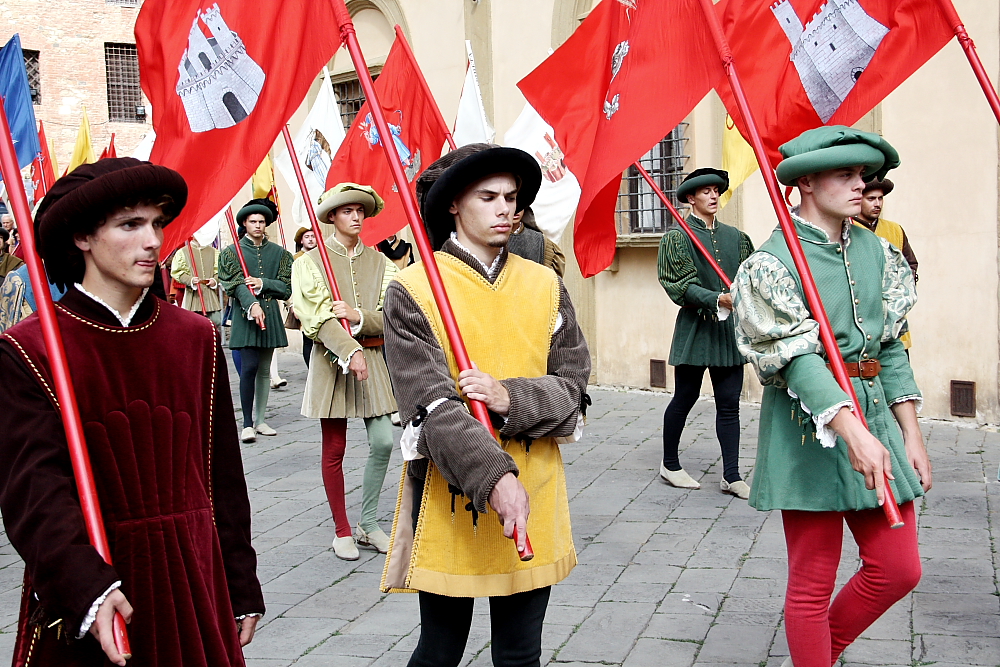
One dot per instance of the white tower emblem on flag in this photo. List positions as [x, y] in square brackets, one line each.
[219, 83]
[832, 50]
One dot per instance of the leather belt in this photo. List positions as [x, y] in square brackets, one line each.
[372, 341]
[865, 369]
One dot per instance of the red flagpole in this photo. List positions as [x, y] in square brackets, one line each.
[423, 84]
[813, 299]
[239, 250]
[59, 366]
[350, 39]
[970, 52]
[323, 255]
[194, 272]
[684, 225]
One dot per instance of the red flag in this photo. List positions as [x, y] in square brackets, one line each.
[110, 150]
[42, 173]
[628, 75]
[805, 63]
[222, 77]
[418, 132]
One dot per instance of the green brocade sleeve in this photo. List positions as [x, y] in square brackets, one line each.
[678, 274]
[899, 294]
[281, 286]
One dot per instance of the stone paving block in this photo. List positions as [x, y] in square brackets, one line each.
[650, 574]
[661, 653]
[356, 645]
[714, 580]
[609, 633]
[320, 660]
[740, 644]
[560, 614]
[575, 595]
[683, 603]
[608, 553]
[627, 531]
[630, 592]
[878, 652]
[285, 637]
[692, 626]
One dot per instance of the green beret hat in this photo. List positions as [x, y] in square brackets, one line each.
[700, 178]
[251, 208]
[349, 193]
[833, 147]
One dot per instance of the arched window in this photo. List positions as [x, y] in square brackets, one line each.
[234, 107]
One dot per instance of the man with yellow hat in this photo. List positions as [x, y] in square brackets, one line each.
[816, 462]
[348, 377]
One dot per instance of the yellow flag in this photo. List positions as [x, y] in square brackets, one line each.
[737, 158]
[52, 156]
[263, 179]
[83, 152]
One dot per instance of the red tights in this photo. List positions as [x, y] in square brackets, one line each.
[334, 446]
[817, 631]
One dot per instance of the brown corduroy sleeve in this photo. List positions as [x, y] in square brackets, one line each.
[463, 450]
[548, 405]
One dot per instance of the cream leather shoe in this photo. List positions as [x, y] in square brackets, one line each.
[678, 478]
[248, 434]
[345, 548]
[739, 488]
[377, 539]
[264, 429]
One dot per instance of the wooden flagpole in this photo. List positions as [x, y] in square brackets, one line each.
[194, 272]
[970, 52]
[350, 38]
[323, 255]
[809, 288]
[59, 366]
[683, 224]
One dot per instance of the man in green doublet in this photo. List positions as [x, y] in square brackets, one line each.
[258, 327]
[704, 338]
[815, 460]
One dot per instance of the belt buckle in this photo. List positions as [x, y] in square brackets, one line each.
[868, 369]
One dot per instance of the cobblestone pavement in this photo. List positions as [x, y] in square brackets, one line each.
[667, 578]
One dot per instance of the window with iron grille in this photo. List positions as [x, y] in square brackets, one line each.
[124, 95]
[350, 99]
[123, 3]
[639, 210]
[34, 75]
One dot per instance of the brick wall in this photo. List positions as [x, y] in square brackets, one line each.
[70, 36]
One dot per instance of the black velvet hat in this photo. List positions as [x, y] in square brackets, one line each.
[447, 177]
[264, 207]
[884, 184]
[78, 201]
[700, 178]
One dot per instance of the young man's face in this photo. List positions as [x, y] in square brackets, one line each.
[705, 201]
[871, 205]
[256, 226]
[125, 248]
[347, 219]
[484, 211]
[836, 192]
[308, 241]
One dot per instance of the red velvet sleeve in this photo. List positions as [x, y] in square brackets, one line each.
[41, 510]
[231, 502]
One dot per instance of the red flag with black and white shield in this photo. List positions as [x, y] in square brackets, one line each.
[417, 131]
[806, 63]
[223, 76]
[628, 75]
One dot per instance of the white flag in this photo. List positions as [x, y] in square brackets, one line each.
[560, 192]
[145, 146]
[316, 143]
[471, 125]
[210, 230]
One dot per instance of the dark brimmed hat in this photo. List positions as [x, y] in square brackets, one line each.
[883, 184]
[451, 174]
[833, 147]
[77, 202]
[700, 178]
[299, 234]
[264, 207]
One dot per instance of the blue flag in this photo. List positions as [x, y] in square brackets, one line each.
[17, 102]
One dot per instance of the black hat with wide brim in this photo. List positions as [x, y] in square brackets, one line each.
[701, 178]
[449, 176]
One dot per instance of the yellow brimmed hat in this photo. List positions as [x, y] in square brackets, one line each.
[349, 193]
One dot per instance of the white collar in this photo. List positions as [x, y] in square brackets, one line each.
[125, 319]
[490, 270]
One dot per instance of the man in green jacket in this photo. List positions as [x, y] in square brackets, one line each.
[703, 334]
[257, 324]
[816, 462]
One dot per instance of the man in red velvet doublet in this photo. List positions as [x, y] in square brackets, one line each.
[162, 439]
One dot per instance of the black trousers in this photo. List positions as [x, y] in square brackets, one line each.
[307, 349]
[515, 622]
[727, 383]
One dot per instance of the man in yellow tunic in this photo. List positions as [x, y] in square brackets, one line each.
[347, 373]
[532, 368]
[206, 260]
